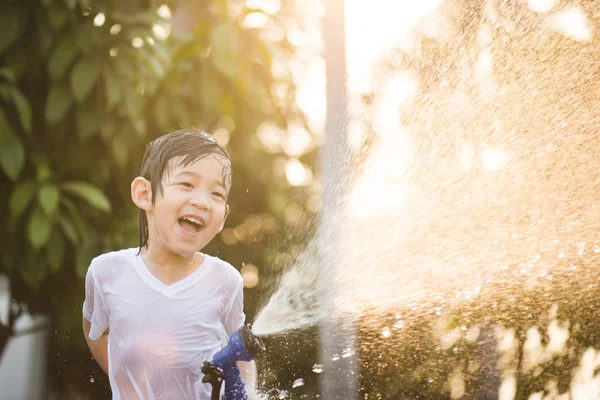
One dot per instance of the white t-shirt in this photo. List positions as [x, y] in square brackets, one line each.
[161, 334]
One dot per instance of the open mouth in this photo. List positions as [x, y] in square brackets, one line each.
[190, 224]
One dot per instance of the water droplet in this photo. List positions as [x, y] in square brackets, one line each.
[399, 324]
[347, 353]
[385, 332]
[298, 382]
[92, 380]
[282, 394]
[318, 368]
[335, 357]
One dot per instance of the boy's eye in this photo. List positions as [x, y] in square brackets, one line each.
[221, 195]
[187, 184]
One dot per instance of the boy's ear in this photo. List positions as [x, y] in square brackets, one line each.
[141, 193]
[225, 217]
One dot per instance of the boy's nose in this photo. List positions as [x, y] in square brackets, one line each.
[200, 200]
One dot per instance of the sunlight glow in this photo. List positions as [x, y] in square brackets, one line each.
[296, 173]
[137, 42]
[255, 20]
[268, 6]
[573, 23]
[222, 136]
[389, 23]
[541, 6]
[99, 19]
[249, 273]
[161, 32]
[115, 29]
[298, 142]
[270, 136]
[164, 11]
[493, 159]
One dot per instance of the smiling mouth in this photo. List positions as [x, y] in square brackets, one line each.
[190, 225]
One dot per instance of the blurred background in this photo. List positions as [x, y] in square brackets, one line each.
[466, 149]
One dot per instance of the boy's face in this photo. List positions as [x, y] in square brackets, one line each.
[192, 207]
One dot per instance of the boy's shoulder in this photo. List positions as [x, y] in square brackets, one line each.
[114, 259]
[226, 268]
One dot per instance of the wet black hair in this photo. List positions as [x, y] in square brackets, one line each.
[190, 145]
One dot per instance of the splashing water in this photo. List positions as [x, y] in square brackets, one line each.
[474, 194]
[295, 303]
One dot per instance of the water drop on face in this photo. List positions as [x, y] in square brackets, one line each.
[298, 382]
[318, 368]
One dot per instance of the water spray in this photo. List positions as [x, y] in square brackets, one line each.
[243, 346]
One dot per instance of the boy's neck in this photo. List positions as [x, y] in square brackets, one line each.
[170, 267]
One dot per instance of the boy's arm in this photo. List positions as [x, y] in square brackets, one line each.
[98, 347]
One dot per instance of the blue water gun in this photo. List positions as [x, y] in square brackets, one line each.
[243, 346]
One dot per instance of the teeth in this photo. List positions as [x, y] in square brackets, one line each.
[193, 220]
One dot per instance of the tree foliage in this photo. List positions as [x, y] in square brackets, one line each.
[85, 85]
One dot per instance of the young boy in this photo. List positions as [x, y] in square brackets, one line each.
[152, 315]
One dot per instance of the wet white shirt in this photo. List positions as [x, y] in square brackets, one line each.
[161, 334]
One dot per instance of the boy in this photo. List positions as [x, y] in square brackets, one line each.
[153, 314]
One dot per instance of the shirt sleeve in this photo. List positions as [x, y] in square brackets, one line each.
[235, 317]
[94, 306]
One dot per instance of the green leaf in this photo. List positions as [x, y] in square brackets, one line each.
[69, 230]
[71, 4]
[23, 109]
[223, 7]
[88, 121]
[83, 258]
[45, 33]
[12, 152]
[124, 66]
[62, 56]
[84, 37]
[84, 77]
[11, 20]
[33, 270]
[89, 193]
[38, 229]
[119, 145]
[225, 51]
[55, 251]
[138, 18]
[44, 172]
[8, 75]
[135, 104]
[58, 103]
[77, 222]
[88, 37]
[57, 14]
[112, 88]
[48, 197]
[21, 197]
[6, 131]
